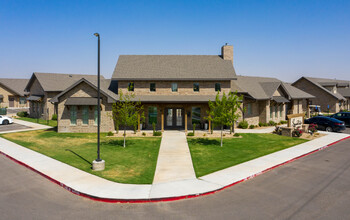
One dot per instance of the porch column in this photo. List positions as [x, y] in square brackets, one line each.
[307, 108]
[138, 123]
[186, 121]
[209, 128]
[162, 119]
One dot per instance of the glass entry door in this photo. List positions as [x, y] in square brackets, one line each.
[174, 118]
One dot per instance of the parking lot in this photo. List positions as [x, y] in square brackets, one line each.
[11, 127]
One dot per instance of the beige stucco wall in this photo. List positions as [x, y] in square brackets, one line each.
[7, 94]
[84, 90]
[184, 87]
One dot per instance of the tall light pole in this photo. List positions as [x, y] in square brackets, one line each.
[98, 164]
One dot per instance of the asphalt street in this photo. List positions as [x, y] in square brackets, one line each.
[314, 187]
[11, 127]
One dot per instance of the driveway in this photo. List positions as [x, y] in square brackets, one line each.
[313, 187]
[13, 126]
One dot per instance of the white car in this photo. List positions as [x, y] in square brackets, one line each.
[4, 120]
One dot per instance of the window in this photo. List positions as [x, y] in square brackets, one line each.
[131, 86]
[152, 115]
[271, 111]
[217, 87]
[73, 115]
[1, 100]
[85, 115]
[174, 87]
[22, 100]
[196, 115]
[196, 87]
[95, 115]
[249, 109]
[152, 87]
[276, 111]
[281, 110]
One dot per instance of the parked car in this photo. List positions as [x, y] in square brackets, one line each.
[342, 116]
[4, 120]
[326, 123]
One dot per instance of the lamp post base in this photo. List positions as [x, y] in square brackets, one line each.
[98, 165]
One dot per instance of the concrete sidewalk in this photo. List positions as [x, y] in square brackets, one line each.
[88, 185]
[174, 159]
[31, 126]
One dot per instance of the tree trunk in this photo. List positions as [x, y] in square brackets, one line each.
[222, 128]
[124, 135]
[233, 128]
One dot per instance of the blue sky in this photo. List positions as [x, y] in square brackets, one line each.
[283, 39]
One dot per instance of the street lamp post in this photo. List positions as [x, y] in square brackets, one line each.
[98, 164]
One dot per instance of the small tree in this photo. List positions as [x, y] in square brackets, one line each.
[233, 104]
[126, 112]
[218, 112]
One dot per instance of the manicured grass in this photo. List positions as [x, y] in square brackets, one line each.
[208, 156]
[135, 163]
[39, 121]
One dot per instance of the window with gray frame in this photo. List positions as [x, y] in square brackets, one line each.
[271, 111]
[22, 100]
[249, 109]
[73, 115]
[276, 111]
[152, 87]
[196, 87]
[217, 87]
[95, 115]
[131, 86]
[152, 115]
[196, 115]
[174, 87]
[85, 115]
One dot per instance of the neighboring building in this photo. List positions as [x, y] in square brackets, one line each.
[44, 86]
[77, 107]
[174, 89]
[328, 92]
[12, 93]
[269, 99]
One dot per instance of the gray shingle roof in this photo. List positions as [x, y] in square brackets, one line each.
[53, 82]
[104, 85]
[319, 81]
[344, 92]
[15, 85]
[173, 67]
[263, 88]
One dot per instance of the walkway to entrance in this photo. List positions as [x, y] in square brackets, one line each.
[174, 159]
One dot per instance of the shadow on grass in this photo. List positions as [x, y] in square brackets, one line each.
[119, 143]
[79, 156]
[205, 141]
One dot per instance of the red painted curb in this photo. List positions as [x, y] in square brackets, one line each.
[95, 198]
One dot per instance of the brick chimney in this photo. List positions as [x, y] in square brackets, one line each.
[227, 52]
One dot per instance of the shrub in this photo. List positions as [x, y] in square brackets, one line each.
[313, 128]
[204, 135]
[297, 132]
[236, 134]
[278, 130]
[190, 134]
[243, 124]
[283, 122]
[260, 124]
[54, 117]
[272, 123]
[157, 133]
[251, 126]
[22, 114]
[154, 128]
[144, 133]
[110, 133]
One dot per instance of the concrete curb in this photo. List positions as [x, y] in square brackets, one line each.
[164, 199]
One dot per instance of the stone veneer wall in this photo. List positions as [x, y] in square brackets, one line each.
[6, 102]
[84, 90]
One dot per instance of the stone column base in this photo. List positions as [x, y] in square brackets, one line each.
[98, 165]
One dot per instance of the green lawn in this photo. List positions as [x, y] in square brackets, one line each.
[40, 121]
[134, 164]
[208, 156]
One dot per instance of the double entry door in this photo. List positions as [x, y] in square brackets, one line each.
[174, 118]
